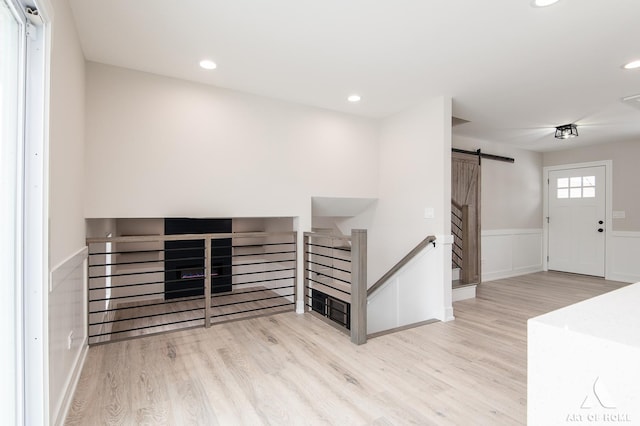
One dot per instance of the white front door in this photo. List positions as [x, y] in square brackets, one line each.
[577, 220]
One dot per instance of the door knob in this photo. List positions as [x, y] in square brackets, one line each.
[600, 230]
[600, 222]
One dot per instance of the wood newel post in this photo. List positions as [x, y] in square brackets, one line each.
[296, 293]
[359, 286]
[207, 282]
[305, 273]
[469, 245]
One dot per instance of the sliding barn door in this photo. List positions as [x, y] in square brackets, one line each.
[465, 207]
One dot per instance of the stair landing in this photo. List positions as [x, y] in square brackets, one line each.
[463, 291]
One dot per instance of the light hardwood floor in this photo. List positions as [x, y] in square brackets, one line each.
[295, 369]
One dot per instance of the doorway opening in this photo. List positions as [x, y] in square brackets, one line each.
[465, 217]
[466, 223]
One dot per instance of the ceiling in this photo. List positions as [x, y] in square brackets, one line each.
[514, 71]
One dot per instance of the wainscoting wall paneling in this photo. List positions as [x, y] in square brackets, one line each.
[510, 252]
[67, 331]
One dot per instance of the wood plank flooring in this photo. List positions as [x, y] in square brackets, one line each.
[295, 369]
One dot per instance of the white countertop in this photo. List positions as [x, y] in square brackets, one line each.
[614, 316]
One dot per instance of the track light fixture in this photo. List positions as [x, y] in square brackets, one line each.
[566, 131]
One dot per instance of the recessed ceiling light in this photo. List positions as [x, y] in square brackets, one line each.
[632, 65]
[543, 3]
[208, 64]
[354, 98]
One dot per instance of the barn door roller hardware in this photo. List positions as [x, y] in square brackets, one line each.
[482, 155]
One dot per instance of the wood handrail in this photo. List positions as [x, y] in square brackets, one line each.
[327, 236]
[413, 253]
[181, 237]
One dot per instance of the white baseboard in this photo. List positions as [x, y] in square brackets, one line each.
[492, 276]
[448, 315]
[73, 383]
[623, 278]
[463, 293]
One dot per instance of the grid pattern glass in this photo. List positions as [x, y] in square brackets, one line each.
[576, 187]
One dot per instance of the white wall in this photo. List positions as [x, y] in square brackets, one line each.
[413, 295]
[66, 138]
[415, 169]
[511, 237]
[511, 192]
[161, 147]
[626, 174]
[415, 173]
[625, 235]
[66, 204]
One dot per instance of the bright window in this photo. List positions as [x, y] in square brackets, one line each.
[576, 187]
[11, 143]
[576, 182]
[22, 209]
